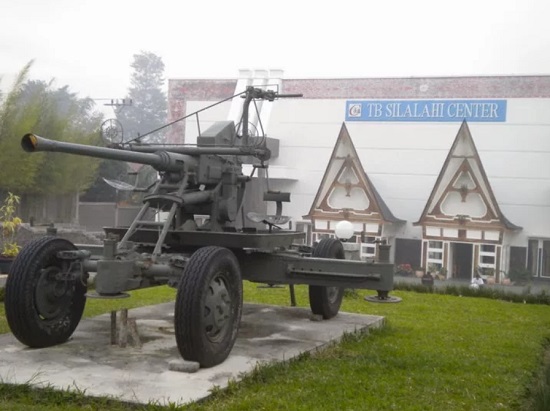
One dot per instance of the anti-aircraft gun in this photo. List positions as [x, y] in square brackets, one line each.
[46, 289]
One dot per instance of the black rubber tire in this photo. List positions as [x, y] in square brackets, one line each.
[31, 291]
[211, 279]
[326, 301]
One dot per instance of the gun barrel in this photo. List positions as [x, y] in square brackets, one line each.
[161, 161]
[260, 152]
[290, 95]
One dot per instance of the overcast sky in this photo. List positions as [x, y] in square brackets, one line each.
[88, 44]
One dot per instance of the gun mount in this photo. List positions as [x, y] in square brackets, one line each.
[205, 261]
[209, 182]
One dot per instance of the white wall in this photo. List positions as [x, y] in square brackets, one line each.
[404, 159]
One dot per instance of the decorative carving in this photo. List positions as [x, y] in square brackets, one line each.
[347, 185]
[346, 213]
[463, 190]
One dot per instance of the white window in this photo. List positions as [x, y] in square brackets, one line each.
[487, 257]
[433, 231]
[474, 234]
[492, 235]
[321, 224]
[538, 257]
[368, 248]
[435, 255]
[372, 228]
[450, 232]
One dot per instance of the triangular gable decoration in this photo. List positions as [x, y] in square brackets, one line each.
[462, 194]
[345, 191]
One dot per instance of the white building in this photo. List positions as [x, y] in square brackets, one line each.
[453, 172]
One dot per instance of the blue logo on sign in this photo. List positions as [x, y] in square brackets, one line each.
[426, 110]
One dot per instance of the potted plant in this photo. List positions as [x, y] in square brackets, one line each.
[488, 275]
[442, 275]
[490, 280]
[433, 268]
[404, 270]
[427, 279]
[10, 224]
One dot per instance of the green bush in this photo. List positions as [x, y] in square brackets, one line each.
[520, 276]
[526, 297]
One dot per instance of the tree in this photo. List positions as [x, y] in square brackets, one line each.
[63, 117]
[17, 172]
[57, 114]
[147, 112]
[149, 104]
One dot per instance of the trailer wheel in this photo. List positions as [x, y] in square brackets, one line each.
[323, 300]
[43, 305]
[208, 306]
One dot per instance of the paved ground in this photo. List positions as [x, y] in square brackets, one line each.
[88, 361]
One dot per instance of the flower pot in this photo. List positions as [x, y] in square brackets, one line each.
[5, 264]
[427, 281]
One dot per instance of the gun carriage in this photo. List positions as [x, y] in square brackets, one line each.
[46, 288]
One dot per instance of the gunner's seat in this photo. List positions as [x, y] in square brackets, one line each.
[272, 219]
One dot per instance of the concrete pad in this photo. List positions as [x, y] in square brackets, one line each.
[88, 361]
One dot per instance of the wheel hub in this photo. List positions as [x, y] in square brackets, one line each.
[52, 293]
[218, 309]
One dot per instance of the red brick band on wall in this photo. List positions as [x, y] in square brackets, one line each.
[181, 91]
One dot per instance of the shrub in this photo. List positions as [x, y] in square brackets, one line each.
[526, 297]
[520, 275]
[10, 224]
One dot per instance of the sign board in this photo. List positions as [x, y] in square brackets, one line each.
[426, 110]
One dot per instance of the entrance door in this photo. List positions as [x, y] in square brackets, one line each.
[462, 260]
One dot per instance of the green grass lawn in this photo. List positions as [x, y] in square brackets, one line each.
[437, 352]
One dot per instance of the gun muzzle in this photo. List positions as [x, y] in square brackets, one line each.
[161, 160]
[29, 142]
